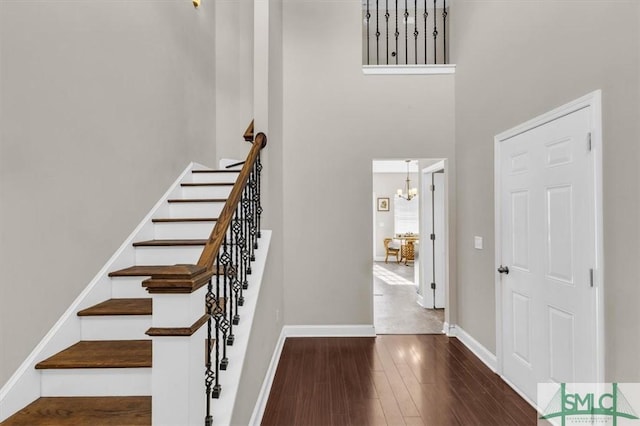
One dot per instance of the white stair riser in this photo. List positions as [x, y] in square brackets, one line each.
[128, 287]
[168, 255]
[206, 191]
[214, 177]
[183, 230]
[96, 382]
[115, 327]
[179, 210]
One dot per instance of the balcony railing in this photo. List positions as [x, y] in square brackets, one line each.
[405, 32]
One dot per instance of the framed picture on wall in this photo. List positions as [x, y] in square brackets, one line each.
[383, 204]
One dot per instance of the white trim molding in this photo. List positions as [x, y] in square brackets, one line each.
[265, 390]
[408, 69]
[359, 330]
[484, 354]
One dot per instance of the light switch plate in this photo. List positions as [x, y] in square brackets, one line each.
[477, 243]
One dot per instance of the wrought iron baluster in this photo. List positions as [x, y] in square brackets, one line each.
[367, 18]
[377, 34]
[254, 211]
[397, 34]
[236, 229]
[415, 30]
[209, 374]
[251, 237]
[386, 17]
[444, 30]
[406, 33]
[224, 263]
[247, 239]
[221, 325]
[259, 204]
[425, 15]
[435, 33]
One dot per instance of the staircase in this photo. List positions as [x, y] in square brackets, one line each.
[105, 378]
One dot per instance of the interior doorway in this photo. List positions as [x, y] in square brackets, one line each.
[402, 232]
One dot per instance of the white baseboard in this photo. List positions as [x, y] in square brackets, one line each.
[485, 355]
[364, 330]
[263, 396]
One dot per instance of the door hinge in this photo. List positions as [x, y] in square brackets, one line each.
[433, 286]
[432, 188]
[589, 141]
[591, 277]
[433, 237]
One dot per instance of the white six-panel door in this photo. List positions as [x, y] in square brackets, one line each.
[547, 235]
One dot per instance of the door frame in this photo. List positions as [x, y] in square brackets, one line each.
[424, 280]
[592, 100]
[442, 164]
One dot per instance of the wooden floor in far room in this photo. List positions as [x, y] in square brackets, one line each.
[389, 380]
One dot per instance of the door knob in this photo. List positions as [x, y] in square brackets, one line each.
[503, 269]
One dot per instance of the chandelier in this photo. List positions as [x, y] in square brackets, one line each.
[409, 192]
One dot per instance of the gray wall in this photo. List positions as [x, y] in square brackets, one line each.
[234, 75]
[518, 59]
[103, 104]
[338, 120]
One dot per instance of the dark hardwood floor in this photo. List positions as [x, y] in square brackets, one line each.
[389, 380]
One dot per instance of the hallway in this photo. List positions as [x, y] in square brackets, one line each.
[389, 380]
[395, 307]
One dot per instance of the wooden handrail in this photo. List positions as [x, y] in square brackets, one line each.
[248, 134]
[210, 251]
[189, 278]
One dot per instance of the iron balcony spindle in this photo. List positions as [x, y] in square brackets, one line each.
[209, 374]
[444, 31]
[435, 33]
[377, 34]
[397, 34]
[386, 17]
[425, 15]
[415, 30]
[367, 18]
[406, 33]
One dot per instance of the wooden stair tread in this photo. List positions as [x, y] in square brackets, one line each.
[215, 171]
[170, 243]
[142, 306]
[184, 219]
[207, 184]
[153, 270]
[85, 410]
[197, 200]
[101, 354]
